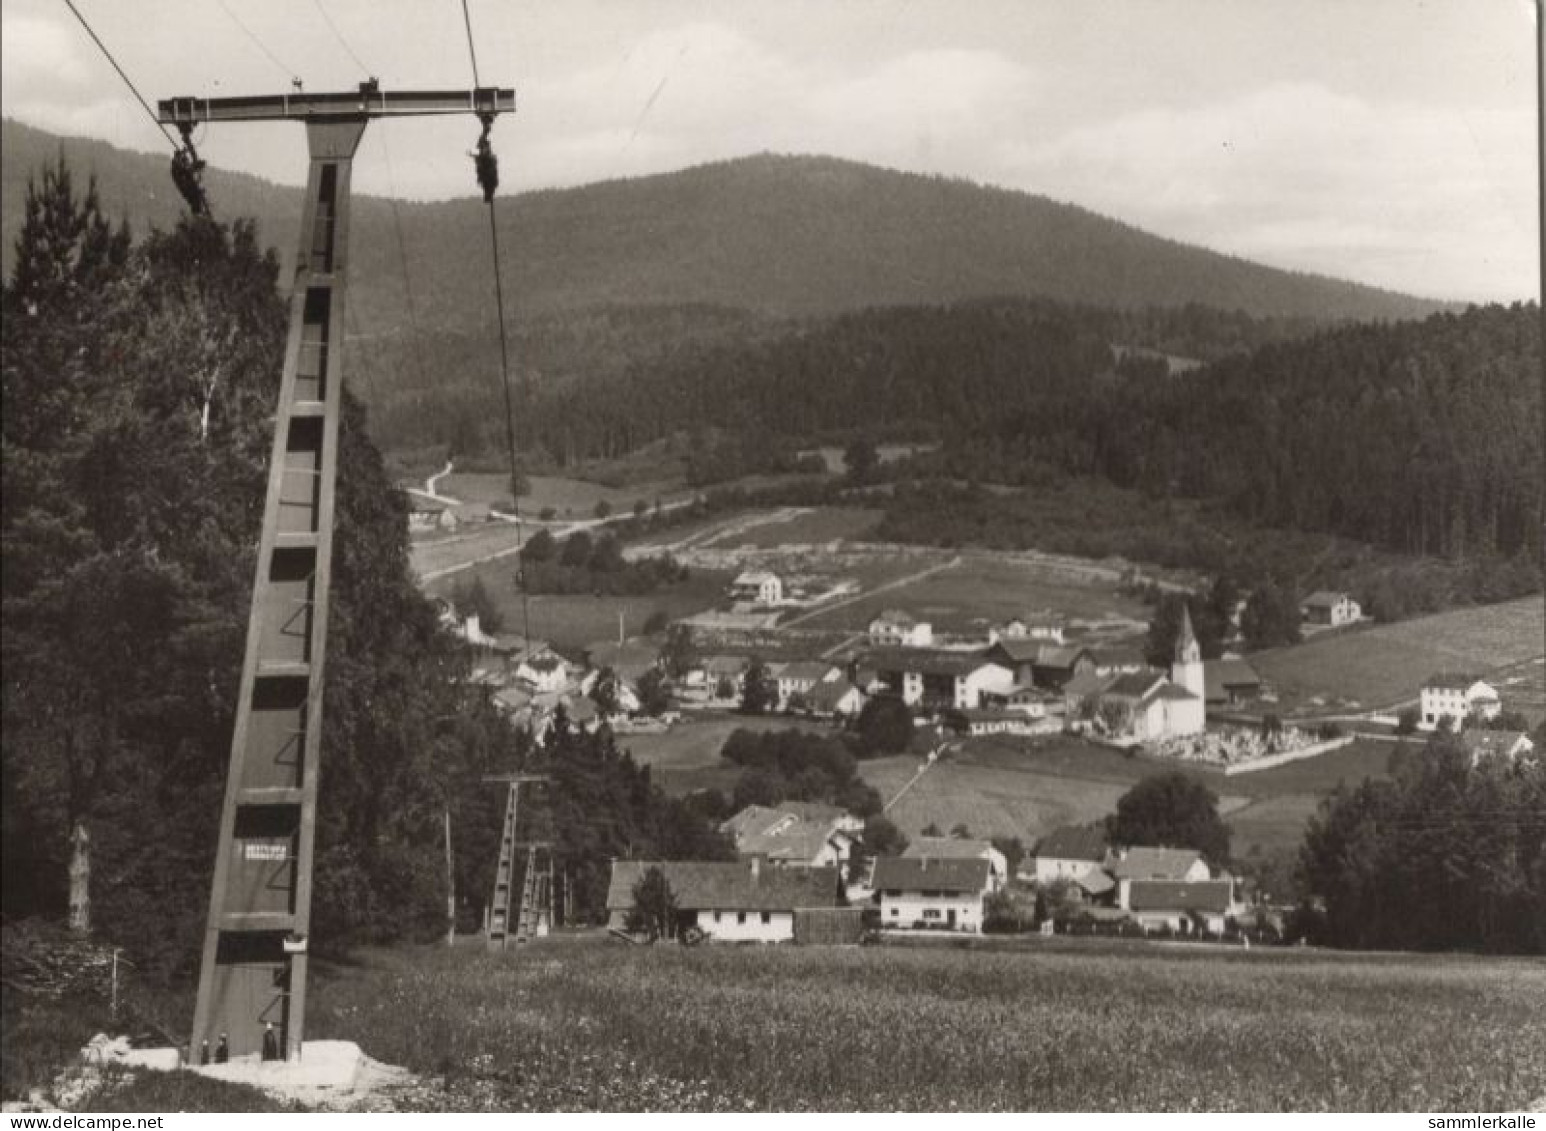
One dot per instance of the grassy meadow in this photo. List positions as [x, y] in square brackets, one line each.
[1381, 666]
[1005, 786]
[813, 525]
[985, 588]
[578, 1023]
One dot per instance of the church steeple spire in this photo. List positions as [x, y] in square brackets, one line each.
[1187, 650]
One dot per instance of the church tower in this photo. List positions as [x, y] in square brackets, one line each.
[1186, 671]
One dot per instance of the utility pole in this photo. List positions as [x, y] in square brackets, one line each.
[253, 971]
[450, 886]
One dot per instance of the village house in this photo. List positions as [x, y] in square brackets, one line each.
[834, 699]
[1458, 697]
[979, 721]
[794, 834]
[1118, 661]
[1069, 853]
[1085, 689]
[1030, 701]
[938, 680]
[932, 893]
[736, 901]
[895, 628]
[1039, 662]
[1329, 608]
[724, 674]
[1143, 863]
[961, 848]
[545, 673]
[1485, 744]
[1228, 682]
[802, 677]
[757, 587]
[1181, 906]
[427, 514]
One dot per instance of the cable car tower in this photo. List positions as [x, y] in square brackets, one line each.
[253, 972]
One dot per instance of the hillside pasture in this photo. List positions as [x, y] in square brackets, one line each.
[577, 1023]
[1384, 666]
[805, 527]
[572, 498]
[1004, 786]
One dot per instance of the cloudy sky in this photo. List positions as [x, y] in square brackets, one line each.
[1387, 141]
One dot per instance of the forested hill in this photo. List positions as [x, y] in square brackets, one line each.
[1421, 436]
[780, 235]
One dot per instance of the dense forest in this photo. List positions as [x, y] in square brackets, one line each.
[139, 382]
[1443, 856]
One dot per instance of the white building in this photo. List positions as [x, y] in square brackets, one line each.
[1069, 853]
[757, 586]
[1330, 608]
[940, 680]
[1143, 863]
[738, 901]
[1183, 906]
[795, 834]
[541, 674]
[932, 893]
[1456, 696]
[961, 848]
[1147, 707]
[802, 677]
[895, 628]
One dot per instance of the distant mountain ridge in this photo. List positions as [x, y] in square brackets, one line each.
[778, 235]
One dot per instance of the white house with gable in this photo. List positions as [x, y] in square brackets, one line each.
[757, 586]
[1456, 696]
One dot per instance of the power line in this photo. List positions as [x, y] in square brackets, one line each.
[472, 51]
[338, 35]
[417, 349]
[121, 74]
[504, 370]
[258, 43]
[504, 347]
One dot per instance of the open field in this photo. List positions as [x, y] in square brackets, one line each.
[572, 498]
[694, 744]
[577, 1023]
[986, 588]
[1009, 786]
[816, 525]
[577, 620]
[1383, 666]
[1027, 787]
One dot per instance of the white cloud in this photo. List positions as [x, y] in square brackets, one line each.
[37, 51]
[1406, 196]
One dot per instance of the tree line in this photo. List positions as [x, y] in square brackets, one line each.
[139, 382]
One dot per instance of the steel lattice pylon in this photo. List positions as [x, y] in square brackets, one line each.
[253, 972]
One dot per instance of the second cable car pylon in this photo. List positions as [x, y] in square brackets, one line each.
[253, 972]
